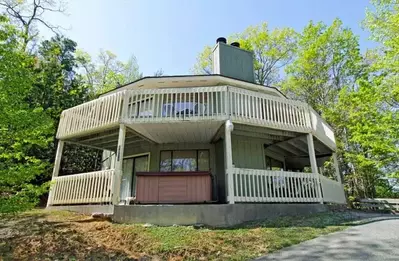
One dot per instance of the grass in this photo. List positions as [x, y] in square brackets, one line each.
[43, 235]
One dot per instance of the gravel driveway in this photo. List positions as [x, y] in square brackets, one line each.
[375, 241]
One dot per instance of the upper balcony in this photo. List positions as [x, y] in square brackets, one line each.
[203, 105]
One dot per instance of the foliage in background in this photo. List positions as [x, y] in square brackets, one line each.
[107, 72]
[27, 15]
[24, 129]
[272, 51]
[59, 86]
[383, 23]
[327, 59]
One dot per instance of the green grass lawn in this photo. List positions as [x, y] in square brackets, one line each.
[42, 235]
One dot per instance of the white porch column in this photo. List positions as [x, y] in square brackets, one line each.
[56, 169]
[336, 168]
[118, 164]
[313, 163]
[229, 161]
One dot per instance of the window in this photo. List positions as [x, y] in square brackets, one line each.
[184, 160]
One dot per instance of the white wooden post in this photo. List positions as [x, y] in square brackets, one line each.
[337, 168]
[56, 169]
[118, 164]
[313, 163]
[229, 161]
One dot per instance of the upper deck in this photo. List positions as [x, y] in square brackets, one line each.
[194, 104]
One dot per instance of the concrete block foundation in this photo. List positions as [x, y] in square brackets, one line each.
[226, 215]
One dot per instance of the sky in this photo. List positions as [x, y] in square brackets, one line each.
[170, 34]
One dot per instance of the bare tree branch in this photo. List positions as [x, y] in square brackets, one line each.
[28, 15]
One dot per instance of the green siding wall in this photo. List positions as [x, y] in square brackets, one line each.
[220, 171]
[248, 152]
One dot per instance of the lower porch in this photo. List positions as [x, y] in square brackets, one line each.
[249, 186]
[225, 164]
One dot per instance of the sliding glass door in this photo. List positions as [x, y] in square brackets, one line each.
[131, 166]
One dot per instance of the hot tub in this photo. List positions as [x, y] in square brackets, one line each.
[173, 187]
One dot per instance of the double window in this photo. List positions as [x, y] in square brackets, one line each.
[184, 160]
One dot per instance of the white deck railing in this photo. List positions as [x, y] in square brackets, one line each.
[253, 185]
[321, 129]
[270, 111]
[176, 104]
[193, 104]
[94, 115]
[85, 188]
[333, 191]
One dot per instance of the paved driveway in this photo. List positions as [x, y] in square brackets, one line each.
[374, 241]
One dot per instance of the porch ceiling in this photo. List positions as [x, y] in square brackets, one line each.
[108, 140]
[267, 135]
[178, 132]
[298, 148]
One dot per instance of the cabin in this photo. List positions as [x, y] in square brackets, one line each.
[184, 149]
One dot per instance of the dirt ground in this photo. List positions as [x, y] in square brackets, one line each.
[44, 235]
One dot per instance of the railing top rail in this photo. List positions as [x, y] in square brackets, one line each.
[319, 117]
[86, 173]
[121, 93]
[282, 172]
[178, 90]
[267, 96]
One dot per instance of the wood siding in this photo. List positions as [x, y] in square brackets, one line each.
[248, 152]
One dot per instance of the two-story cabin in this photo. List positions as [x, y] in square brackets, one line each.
[214, 139]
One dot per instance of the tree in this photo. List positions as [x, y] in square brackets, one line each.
[159, 73]
[204, 62]
[369, 146]
[328, 58]
[272, 51]
[107, 72]
[24, 129]
[27, 15]
[59, 86]
[328, 63]
[383, 23]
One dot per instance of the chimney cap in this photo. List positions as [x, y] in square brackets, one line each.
[221, 40]
[235, 44]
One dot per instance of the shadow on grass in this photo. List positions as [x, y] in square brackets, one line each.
[320, 220]
[33, 237]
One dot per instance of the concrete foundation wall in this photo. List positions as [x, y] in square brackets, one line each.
[211, 215]
[85, 209]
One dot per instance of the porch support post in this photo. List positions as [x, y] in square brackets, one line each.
[336, 168]
[313, 163]
[118, 164]
[56, 169]
[229, 161]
